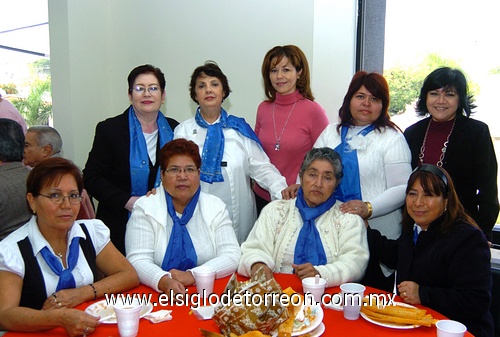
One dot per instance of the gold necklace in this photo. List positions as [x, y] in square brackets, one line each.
[277, 145]
[443, 150]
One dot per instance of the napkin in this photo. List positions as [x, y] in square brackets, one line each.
[159, 316]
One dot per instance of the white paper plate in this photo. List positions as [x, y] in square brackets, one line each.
[392, 325]
[320, 330]
[101, 309]
[318, 319]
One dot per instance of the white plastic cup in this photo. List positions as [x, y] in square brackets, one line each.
[449, 328]
[352, 298]
[317, 290]
[204, 277]
[127, 317]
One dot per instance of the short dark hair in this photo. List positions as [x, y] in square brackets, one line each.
[446, 78]
[11, 140]
[377, 85]
[178, 147]
[146, 69]
[297, 59]
[50, 171]
[210, 68]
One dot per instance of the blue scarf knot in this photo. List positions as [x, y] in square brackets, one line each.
[138, 157]
[309, 247]
[350, 186]
[180, 252]
[66, 279]
[213, 148]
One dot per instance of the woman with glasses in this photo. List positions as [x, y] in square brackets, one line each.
[52, 263]
[231, 153]
[123, 163]
[309, 235]
[180, 227]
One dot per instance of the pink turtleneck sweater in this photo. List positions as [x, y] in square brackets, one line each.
[307, 120]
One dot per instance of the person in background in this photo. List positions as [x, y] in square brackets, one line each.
[52, 263]
[289, 121]
[180, 227]
[376, 162]
[123, 163]
[449, 138]
[309, 235]
[8, 110]
[442, 258]
[230, 150]
[13, 209]
[42, 142]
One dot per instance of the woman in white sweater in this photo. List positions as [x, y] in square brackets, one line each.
[376, 161]
[309, 235]
[180, 228]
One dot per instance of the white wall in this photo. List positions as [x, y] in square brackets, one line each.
[95, 44]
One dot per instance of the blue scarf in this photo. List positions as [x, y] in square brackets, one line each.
[309, 247]
[139, 158]
[66, 279]
[180, 252]
[350, 187]
[213, 149]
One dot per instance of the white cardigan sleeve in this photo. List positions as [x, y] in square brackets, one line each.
[259, 246]
[349, 250]
[140, 246]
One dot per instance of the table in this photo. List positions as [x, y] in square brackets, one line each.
[185, 324]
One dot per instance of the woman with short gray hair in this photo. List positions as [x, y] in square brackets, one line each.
[309, 235]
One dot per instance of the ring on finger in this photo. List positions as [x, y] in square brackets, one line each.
[59, 304]
[404, 294]
[55, 297]
[356, 208]
[85, 331]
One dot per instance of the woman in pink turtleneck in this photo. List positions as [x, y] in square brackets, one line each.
[289, 122]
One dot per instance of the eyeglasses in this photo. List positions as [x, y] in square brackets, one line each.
[176, 170]
[140, 90]
[57, 198]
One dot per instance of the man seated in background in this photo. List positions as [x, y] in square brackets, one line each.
[13, 207]
[42, 142]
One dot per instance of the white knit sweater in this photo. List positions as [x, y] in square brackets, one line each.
[273, 238]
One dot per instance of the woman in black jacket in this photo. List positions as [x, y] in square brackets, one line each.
[461, 145]
[124, 160]
[442, 258]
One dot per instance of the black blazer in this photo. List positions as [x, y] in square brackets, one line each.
[107, 174]
[471, 162]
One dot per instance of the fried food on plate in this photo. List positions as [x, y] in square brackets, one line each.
[397, 314]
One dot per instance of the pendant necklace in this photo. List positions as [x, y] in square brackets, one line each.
[60, 255]
[443, 150]
[277, 145]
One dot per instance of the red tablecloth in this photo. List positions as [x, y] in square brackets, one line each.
[186, 324]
